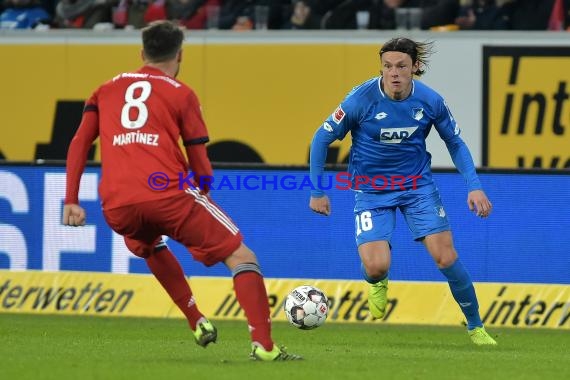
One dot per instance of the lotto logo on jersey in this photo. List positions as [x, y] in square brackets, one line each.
[396, 135]
[338, 115]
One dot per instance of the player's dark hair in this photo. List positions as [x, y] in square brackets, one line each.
[418, 51]
[161, 41]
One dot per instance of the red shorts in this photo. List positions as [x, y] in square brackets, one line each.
[189, 218]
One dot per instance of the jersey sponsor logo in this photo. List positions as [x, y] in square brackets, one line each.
[418, 113]
[338, 115]
[381, 115]
[396, 135]
[327, 127]
[456, 130]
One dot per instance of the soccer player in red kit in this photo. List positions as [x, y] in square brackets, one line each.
[139, 118]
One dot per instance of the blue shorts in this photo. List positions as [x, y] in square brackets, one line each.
[424, 214]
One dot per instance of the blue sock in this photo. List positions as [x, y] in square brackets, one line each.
[368, 279]
[463, 292]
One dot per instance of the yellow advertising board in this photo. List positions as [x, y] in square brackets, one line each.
[526, 107]
[84, 293]
[428, 303]
[254, 95]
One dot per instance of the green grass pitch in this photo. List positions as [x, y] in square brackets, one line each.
[72, 347]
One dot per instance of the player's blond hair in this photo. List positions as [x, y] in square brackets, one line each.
[418, 51]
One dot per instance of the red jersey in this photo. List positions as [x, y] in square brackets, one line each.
[139, 118]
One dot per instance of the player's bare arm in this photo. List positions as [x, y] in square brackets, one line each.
[479, 203]
[73, 215]
[321, 205]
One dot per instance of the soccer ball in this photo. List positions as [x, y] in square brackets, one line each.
[306, 307]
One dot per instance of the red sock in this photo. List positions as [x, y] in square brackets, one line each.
[252, 297]
[165, 267]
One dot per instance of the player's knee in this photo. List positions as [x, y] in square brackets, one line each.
[446, 258]
[139, 249]
[376, 272]
[376, 266]
[240, 256]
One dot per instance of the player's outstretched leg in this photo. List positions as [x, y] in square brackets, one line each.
[167, 270]
[463, 292]
[251, 294]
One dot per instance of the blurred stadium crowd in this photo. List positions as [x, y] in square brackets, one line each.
[285, 14]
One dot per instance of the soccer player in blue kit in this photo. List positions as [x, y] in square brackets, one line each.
[389, 118]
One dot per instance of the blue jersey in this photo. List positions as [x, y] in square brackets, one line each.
[388, 152]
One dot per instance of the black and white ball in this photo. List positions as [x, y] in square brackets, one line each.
[306, 307]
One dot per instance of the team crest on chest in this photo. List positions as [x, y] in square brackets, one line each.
[417, 113]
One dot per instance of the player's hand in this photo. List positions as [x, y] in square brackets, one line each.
[73, 215]
[321, 205]
[479, 203]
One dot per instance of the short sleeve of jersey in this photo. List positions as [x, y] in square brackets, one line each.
[343, 119]
[445, 122]
[194, 129]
